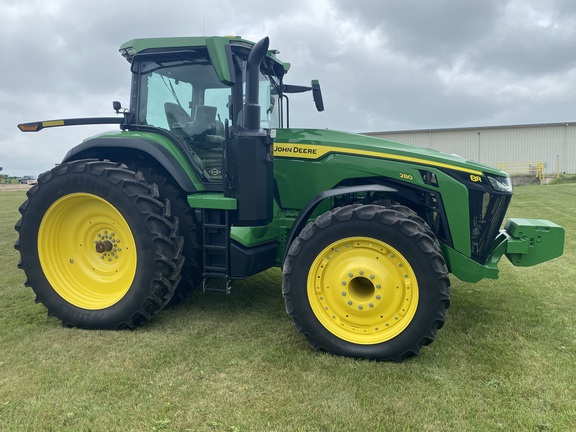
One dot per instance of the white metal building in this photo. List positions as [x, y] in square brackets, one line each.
[553, 144]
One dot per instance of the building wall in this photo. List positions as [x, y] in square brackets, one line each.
[554, 144]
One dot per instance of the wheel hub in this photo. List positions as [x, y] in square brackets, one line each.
[108, 245]
[360, 288]
[362, 291]
[103, 246]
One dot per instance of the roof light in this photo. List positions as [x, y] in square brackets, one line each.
[127, 52]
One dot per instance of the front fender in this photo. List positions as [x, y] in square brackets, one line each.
[307, 211]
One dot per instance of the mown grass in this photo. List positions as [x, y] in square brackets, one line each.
[564, 178]
[505, 359]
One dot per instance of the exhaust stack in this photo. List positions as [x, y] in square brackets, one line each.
[251, 108]
[250, 175]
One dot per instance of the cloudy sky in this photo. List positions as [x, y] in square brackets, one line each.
[382, 64]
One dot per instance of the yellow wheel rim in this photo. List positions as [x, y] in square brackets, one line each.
[87, 251]
[362, 290]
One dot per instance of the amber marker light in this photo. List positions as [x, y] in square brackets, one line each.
[29, 127]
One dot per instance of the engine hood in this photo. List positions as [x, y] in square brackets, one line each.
[318, 143]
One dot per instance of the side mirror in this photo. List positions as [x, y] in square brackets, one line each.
[117, 106]
[317, 95]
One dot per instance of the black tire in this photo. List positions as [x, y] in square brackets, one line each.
[409, 214]
[188, 229]
[97, 247]
[365, 281]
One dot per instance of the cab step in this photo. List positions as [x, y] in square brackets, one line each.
[216, 243]
[217, 285]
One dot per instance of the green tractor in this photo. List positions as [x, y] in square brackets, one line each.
[205, 183]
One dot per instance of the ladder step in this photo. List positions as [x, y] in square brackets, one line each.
[222, 286]
[216, 247]
[215, 268]
[216, 239]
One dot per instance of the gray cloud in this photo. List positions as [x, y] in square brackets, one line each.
[383, 64]
[436, 30]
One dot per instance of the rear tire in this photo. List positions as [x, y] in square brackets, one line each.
[368, 282]
[96, 246]
[188, 229]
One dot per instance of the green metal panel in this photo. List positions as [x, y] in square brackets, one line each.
[253, 236]
[468, 270]
[325, 142]
[217, 51]
[144, 44]
[212, 201]
[300, 174]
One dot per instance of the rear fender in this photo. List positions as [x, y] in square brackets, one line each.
[129, 149]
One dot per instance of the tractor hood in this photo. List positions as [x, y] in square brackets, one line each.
[318, 143]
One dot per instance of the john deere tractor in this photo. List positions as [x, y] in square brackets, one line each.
[205, 183]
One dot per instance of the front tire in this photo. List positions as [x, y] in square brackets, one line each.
[368, 282]
[96, 246]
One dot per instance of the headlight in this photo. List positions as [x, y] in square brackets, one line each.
[501, 184]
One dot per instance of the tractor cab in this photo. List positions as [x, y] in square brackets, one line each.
[194, 88]
[181, 91]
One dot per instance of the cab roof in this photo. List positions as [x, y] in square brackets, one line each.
[216, 46]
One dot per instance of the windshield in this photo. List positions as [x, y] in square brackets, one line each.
[185, 97]
[169, 88]
[178, 90]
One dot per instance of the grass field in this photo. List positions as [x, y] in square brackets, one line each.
[505, 359]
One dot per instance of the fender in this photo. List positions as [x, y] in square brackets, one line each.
[101, 146]
[309, 208]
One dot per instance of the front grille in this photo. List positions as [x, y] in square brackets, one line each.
[487, 212]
